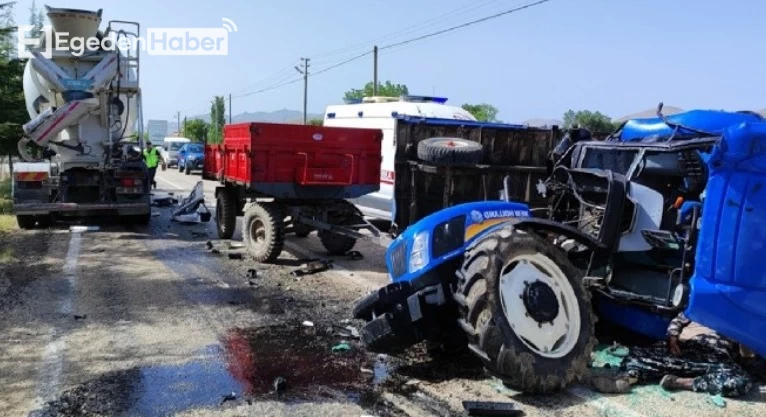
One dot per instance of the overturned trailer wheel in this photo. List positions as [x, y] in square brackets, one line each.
[525, 311]
[263, 231]
[225, 213]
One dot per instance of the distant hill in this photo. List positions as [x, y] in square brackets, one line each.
[277, 116]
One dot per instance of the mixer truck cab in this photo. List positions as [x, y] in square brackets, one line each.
[384, 113]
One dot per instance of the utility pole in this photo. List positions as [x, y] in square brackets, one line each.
[178, 122]
[229, 108]
[375, 71]
[305, 72]
[184, 129]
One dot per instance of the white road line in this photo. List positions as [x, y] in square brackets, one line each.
[171, 183]
[49, 379]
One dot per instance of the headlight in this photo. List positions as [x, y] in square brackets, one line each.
[419, 254]
[192, 157]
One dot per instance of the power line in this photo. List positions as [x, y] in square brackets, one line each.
[473, 22]
[401, 43]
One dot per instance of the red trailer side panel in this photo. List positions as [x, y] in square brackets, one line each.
[287, 160]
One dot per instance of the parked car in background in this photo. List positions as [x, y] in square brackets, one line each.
[191, 157]
[170, 148]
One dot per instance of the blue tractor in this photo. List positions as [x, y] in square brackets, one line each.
[661, 217]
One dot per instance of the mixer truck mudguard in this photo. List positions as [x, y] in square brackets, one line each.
[79, 144]
[660, 226]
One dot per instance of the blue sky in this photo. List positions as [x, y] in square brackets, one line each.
[615, 56]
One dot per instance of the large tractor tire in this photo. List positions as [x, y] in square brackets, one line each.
[263, 230]
[344, 213]
[525, 311]
[450, 151]
[225, 214]
[25, 221]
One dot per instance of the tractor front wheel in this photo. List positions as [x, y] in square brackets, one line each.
[263, 230]
[525, 310]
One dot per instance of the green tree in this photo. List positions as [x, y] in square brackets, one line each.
[37, 21]
[596, 122]
[196, 129]
[217, 120]
[482, 112]
[316, 122]
[12, 106]
[388, 89]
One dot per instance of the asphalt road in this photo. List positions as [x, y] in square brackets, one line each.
[147, 322]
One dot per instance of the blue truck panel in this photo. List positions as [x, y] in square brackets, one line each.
[729, 285]
[712, 121]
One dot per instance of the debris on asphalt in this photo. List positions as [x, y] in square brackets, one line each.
[209, 245]
[366, 371]
[198, 234]
[312, 267]
[252, 283]
[354, 255]
[346, 331]
[308, 323]
[77, 229]
[164, 201]
[235, 255]
[233, 245]
[156, 214]
[193, 208]
[280, 384]
[80, 316]
[491, 409]
[229, 397]
[341, 347]
[718, 401]
[252, 273]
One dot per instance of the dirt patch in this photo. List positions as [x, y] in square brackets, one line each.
[22, 260]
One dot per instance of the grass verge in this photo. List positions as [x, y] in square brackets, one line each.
[7, 219]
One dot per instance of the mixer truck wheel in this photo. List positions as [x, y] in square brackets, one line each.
[525, 311]
[263, 230]
[225, 214]
[25, 222]
[450, 151]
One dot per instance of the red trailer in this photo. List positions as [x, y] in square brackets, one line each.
[292, 179]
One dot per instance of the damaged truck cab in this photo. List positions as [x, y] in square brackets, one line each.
[635, 230]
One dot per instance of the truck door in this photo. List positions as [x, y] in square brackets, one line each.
[728, 289]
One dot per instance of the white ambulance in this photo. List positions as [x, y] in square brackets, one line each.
[383, 113]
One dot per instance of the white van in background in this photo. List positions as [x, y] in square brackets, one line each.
[170, 147]
[382, 113]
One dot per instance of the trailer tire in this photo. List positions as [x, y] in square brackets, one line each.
[225, 214]
[25, 222]
[450, 151]
[501, 311]
[263, 230]
[344, 213]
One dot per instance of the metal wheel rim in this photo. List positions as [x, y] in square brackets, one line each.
[551, 340]
[257, 232]
[451, 143]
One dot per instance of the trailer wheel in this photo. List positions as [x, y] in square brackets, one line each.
[225, 214]
[450, 151]
[301, 230]
[25, 221]
[343, 214]
[263, 231]
[525, 311]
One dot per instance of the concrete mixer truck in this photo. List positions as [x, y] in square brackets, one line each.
[84, 143]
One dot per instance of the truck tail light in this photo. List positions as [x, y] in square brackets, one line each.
[130, 182]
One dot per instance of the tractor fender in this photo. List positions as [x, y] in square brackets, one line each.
[534, 224]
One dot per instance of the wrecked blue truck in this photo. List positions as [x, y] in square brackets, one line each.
[663, 216]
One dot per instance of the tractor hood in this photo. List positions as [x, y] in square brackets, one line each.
[655, 129]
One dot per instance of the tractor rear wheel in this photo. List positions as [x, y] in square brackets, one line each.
[263, 230]
[525, 310]
[225, 214]
[342, 214]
